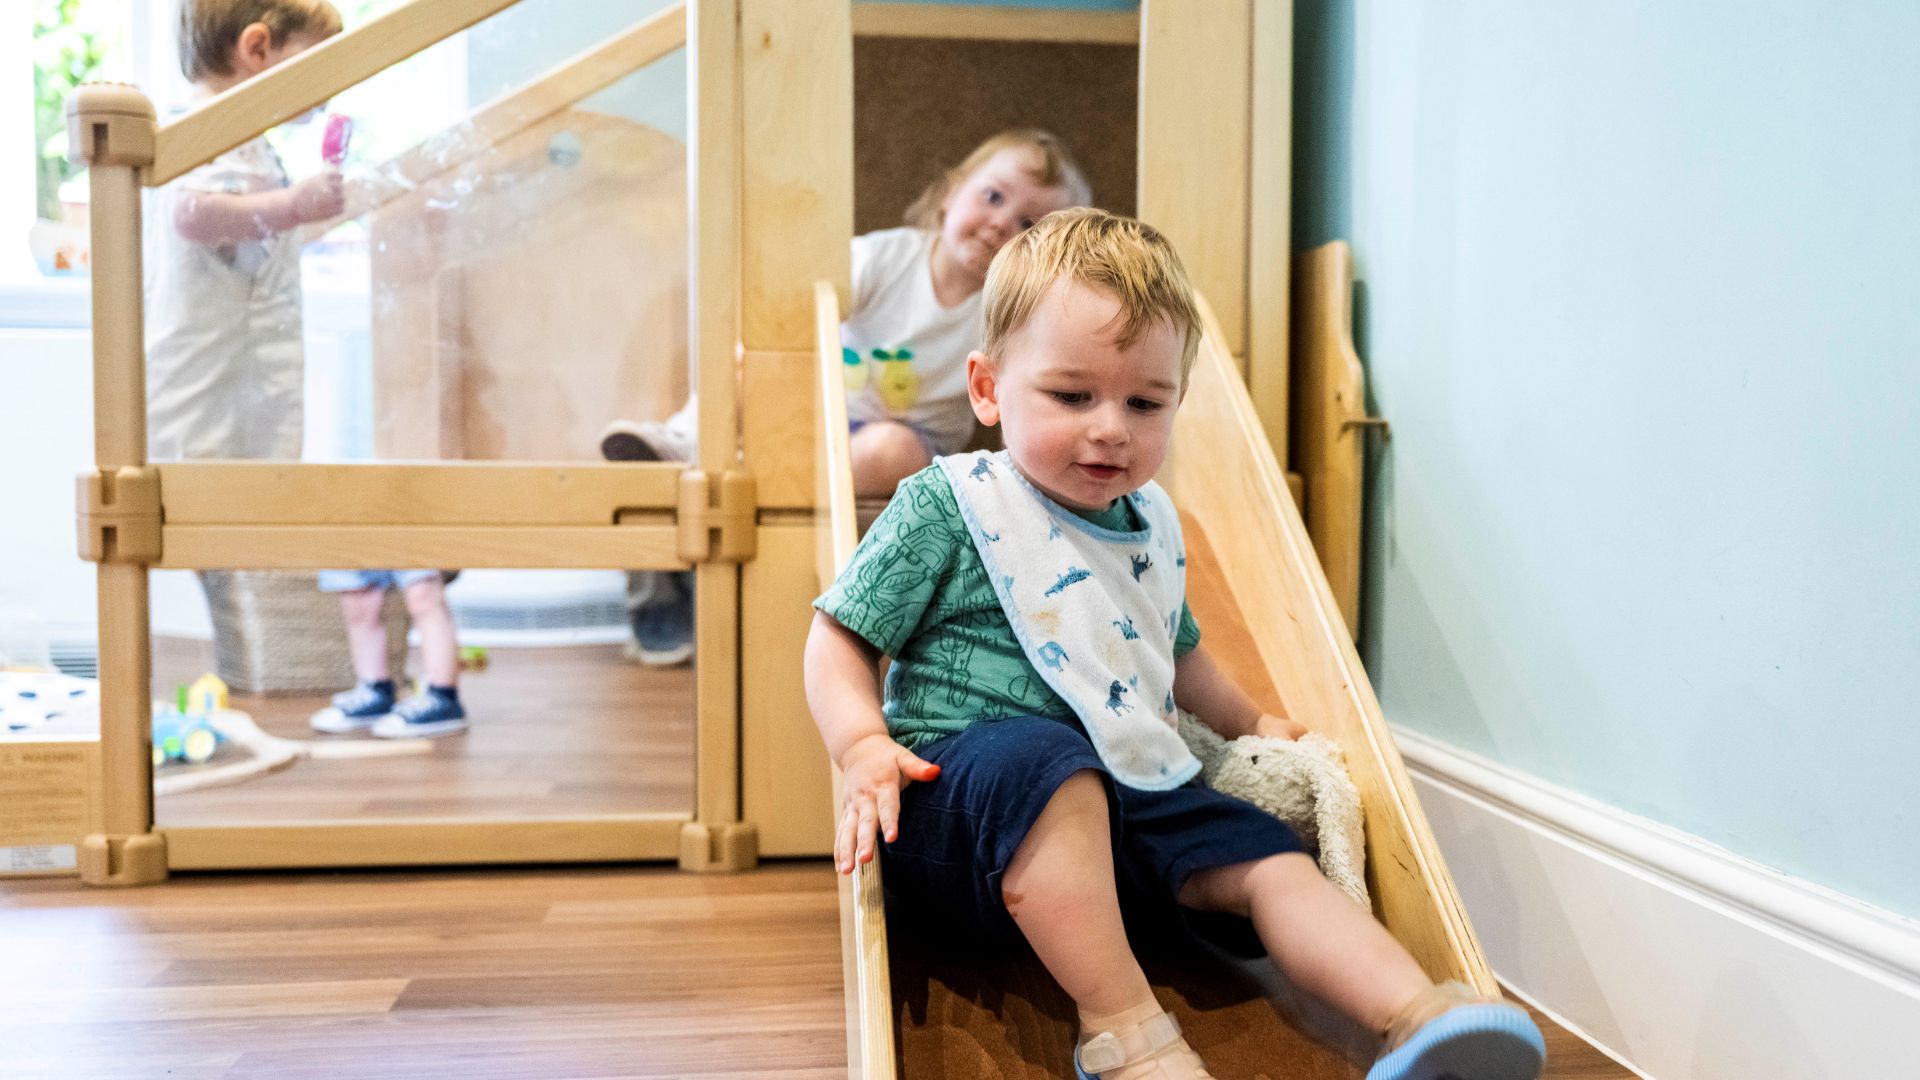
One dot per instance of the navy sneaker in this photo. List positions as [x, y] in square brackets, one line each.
[355, 710]
[663, 632]
[423, 716]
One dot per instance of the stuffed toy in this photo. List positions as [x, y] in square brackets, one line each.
[1302, 782]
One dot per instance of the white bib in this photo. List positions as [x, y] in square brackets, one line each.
[1095, 610]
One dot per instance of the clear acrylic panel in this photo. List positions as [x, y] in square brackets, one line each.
[563, 720]
[512, 280]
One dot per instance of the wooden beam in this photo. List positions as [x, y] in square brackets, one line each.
[1269, 219]
[614, 838]
[980, 22]
[307, 80]
[796, 199]
[650, 546]
[452, 493]
[716, 839]
[1329, 440]
[1193, 150]
[865, 971]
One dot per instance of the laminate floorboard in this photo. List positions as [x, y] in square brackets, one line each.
[572, 731]
[524, 973]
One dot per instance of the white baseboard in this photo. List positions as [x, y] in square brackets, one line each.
[1677, 957]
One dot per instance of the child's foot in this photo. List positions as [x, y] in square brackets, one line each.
[1450, 1031]
[355, 710]
[431, 712]
[1142, 1043]
[663, 633]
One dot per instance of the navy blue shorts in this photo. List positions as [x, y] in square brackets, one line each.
[958, 833]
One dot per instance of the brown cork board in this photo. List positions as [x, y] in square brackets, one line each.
[921, 104]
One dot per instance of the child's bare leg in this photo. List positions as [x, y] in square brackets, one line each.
[885, 453]
[1060, 890]
[439, 649]
[366, 635]
[1317, 936]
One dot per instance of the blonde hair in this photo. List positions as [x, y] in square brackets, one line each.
[1058, 169]
[1126, 259]
[209, 29]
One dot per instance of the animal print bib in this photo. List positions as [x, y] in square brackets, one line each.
[1095, 610]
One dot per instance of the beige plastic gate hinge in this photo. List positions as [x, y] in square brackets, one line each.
[110, 124]
[119, 515]
[717, 520]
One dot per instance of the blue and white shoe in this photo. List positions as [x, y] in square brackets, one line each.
[423, 716]
[1452, 1033]
[354, 710]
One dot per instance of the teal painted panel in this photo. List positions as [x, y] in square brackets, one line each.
[1639, 299]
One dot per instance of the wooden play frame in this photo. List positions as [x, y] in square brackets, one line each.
[135, 515]
[770, 83]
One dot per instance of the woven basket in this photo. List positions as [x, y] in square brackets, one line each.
[275, 632]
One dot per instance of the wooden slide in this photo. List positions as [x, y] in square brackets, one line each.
[916, 1009]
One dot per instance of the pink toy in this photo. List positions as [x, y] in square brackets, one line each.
[333, 146]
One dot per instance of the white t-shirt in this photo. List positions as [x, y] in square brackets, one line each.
[911, 351]
[224, 359]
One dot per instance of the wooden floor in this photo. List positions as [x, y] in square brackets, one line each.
[557, 732]
[607, 973]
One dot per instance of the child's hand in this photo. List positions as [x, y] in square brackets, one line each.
[318, 197]
[873, 771]
[1277, 727]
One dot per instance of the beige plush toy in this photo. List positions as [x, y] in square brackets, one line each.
[1302, 782]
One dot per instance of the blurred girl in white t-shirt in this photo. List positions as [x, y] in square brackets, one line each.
[914, 318]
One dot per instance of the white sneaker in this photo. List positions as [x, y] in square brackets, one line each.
[674, 439]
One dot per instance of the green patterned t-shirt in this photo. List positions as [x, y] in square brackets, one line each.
[916, 590]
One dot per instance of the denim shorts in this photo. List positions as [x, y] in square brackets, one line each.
[926, 440]
[355, 580]
[958, 833]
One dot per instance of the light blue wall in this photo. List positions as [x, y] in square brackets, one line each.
[1076, 5]
[1642, 302]
[533, 36]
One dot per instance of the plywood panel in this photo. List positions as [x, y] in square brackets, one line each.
[796, 91]
[1195, 73]
[780, 424]
[787, 789]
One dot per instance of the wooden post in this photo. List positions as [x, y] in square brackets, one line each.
[716, 838]
[110, 128]
[1269, 213]
[1195, 61]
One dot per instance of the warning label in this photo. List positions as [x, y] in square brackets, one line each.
[34, 858]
